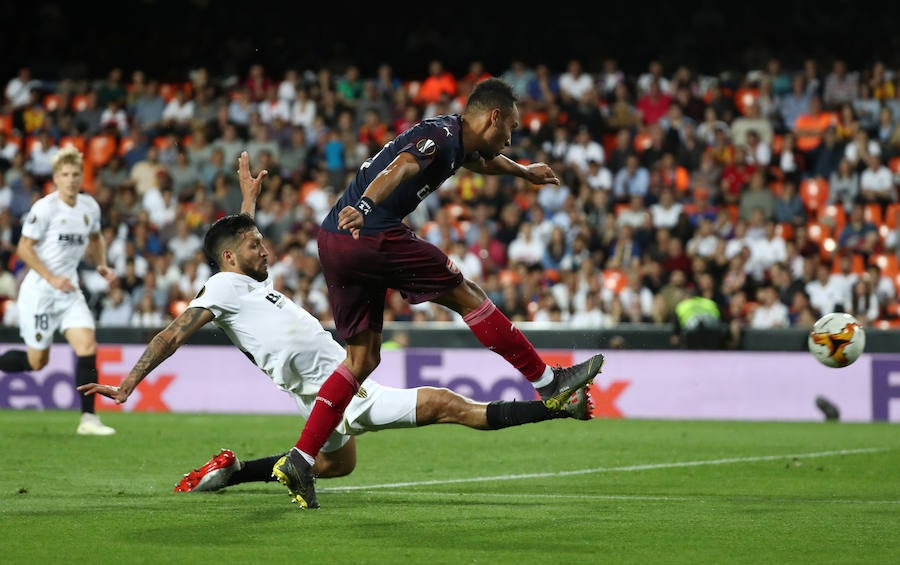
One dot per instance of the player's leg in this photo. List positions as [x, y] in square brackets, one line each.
[37, 324]
[77, 325]
[351, 268]
[496, 332]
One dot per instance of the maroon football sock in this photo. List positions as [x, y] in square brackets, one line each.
[497, 333]
[330, 403]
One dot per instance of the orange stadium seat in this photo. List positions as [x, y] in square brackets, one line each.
[784, 230]
[894, 164]
[614, 280]
[79, 102]
[858, 264]
[887, 262]
[892, 215]
[744, 97]
[76, 141]
[872, 213]
[6, 123]
[818, 231]
[834, 216]
[642, 141]
[51, 101]
[814, 193]
[100, 149]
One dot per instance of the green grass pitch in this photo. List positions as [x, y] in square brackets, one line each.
[604, 491]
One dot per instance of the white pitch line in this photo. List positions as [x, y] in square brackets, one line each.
[624, 469]
[634, 497]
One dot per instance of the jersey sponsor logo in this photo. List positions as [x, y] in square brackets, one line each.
[362, 393]
[451, 266]
[423, 192]
[446, 129]
[426, 147]
[71, 238]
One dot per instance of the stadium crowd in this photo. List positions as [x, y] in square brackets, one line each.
[771, 191]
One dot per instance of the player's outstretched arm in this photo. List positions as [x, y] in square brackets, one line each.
[535, 173]
[250, 185]
[163, 345]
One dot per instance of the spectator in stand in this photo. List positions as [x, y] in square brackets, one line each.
[87, 118]
[117, 309]
[860, 148]
[825, 294]
[178, 115]
[809, 126]
[790, 162]
[622, 114]
[633, 179]
[770, 311]
[841, 85]
[543, 89]
[752, 121]
[794, 103]
[876, 183]
[655, 72]
[866, 107]
[574, 82]
[863, 303]
[843, 185]
[438, 82]
[827, 156]
[654, 104]
[789, 207]
[721, 102]
[257, 83]
[858, 234]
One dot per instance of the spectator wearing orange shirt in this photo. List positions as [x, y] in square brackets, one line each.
[438, 82]
[809, 126]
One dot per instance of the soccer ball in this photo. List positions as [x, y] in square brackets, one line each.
[837, 339]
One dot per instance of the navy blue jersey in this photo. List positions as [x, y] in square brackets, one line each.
[436, 143]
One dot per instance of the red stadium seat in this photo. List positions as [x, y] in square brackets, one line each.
[814, 193]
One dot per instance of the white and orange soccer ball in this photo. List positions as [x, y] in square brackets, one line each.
[837, 339]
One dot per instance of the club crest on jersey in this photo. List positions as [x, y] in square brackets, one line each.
[38, 336]
[451, 266]
[426, 146]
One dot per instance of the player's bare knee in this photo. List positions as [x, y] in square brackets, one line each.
[439, 406]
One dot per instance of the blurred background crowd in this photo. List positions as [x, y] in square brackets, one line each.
[772, 190]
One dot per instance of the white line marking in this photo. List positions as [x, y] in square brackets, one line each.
[634, 497]
[627, 468]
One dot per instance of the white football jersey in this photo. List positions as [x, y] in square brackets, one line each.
[279, 336]
[61, 232]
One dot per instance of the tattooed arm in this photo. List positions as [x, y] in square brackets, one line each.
[163, 345]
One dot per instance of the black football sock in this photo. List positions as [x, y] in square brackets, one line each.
[14, 361]
[255, 470]
[503, 413]
[86, 372]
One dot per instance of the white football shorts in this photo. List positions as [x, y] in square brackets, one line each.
[375, 407]
[43, 310]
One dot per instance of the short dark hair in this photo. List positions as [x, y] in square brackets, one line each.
[491, 93]
[224, 232]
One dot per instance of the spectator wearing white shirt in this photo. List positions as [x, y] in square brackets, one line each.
[705, 240]
[825, 294]
[526, 249]
[574, 82]
[117, 309]
[876, 183]
[178, 115]
[771, 312]
[666, 212]
[582, 150]
[184, 244]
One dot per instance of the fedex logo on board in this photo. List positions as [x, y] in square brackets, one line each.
[488, 387]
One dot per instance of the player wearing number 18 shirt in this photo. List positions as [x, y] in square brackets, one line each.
[59, 231]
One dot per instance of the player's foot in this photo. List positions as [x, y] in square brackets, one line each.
[580, 405]
[212, 476]
[567, 380]
[296, 474]
[91, 425]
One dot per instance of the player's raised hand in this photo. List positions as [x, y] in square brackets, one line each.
[540, 173]
[350, 218]
[250, 185]
[118, 394]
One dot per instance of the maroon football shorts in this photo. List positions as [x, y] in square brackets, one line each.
[359, 273]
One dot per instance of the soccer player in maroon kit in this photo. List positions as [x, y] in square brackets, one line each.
[366, 249]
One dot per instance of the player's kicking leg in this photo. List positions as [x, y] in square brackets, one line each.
[432, 406]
